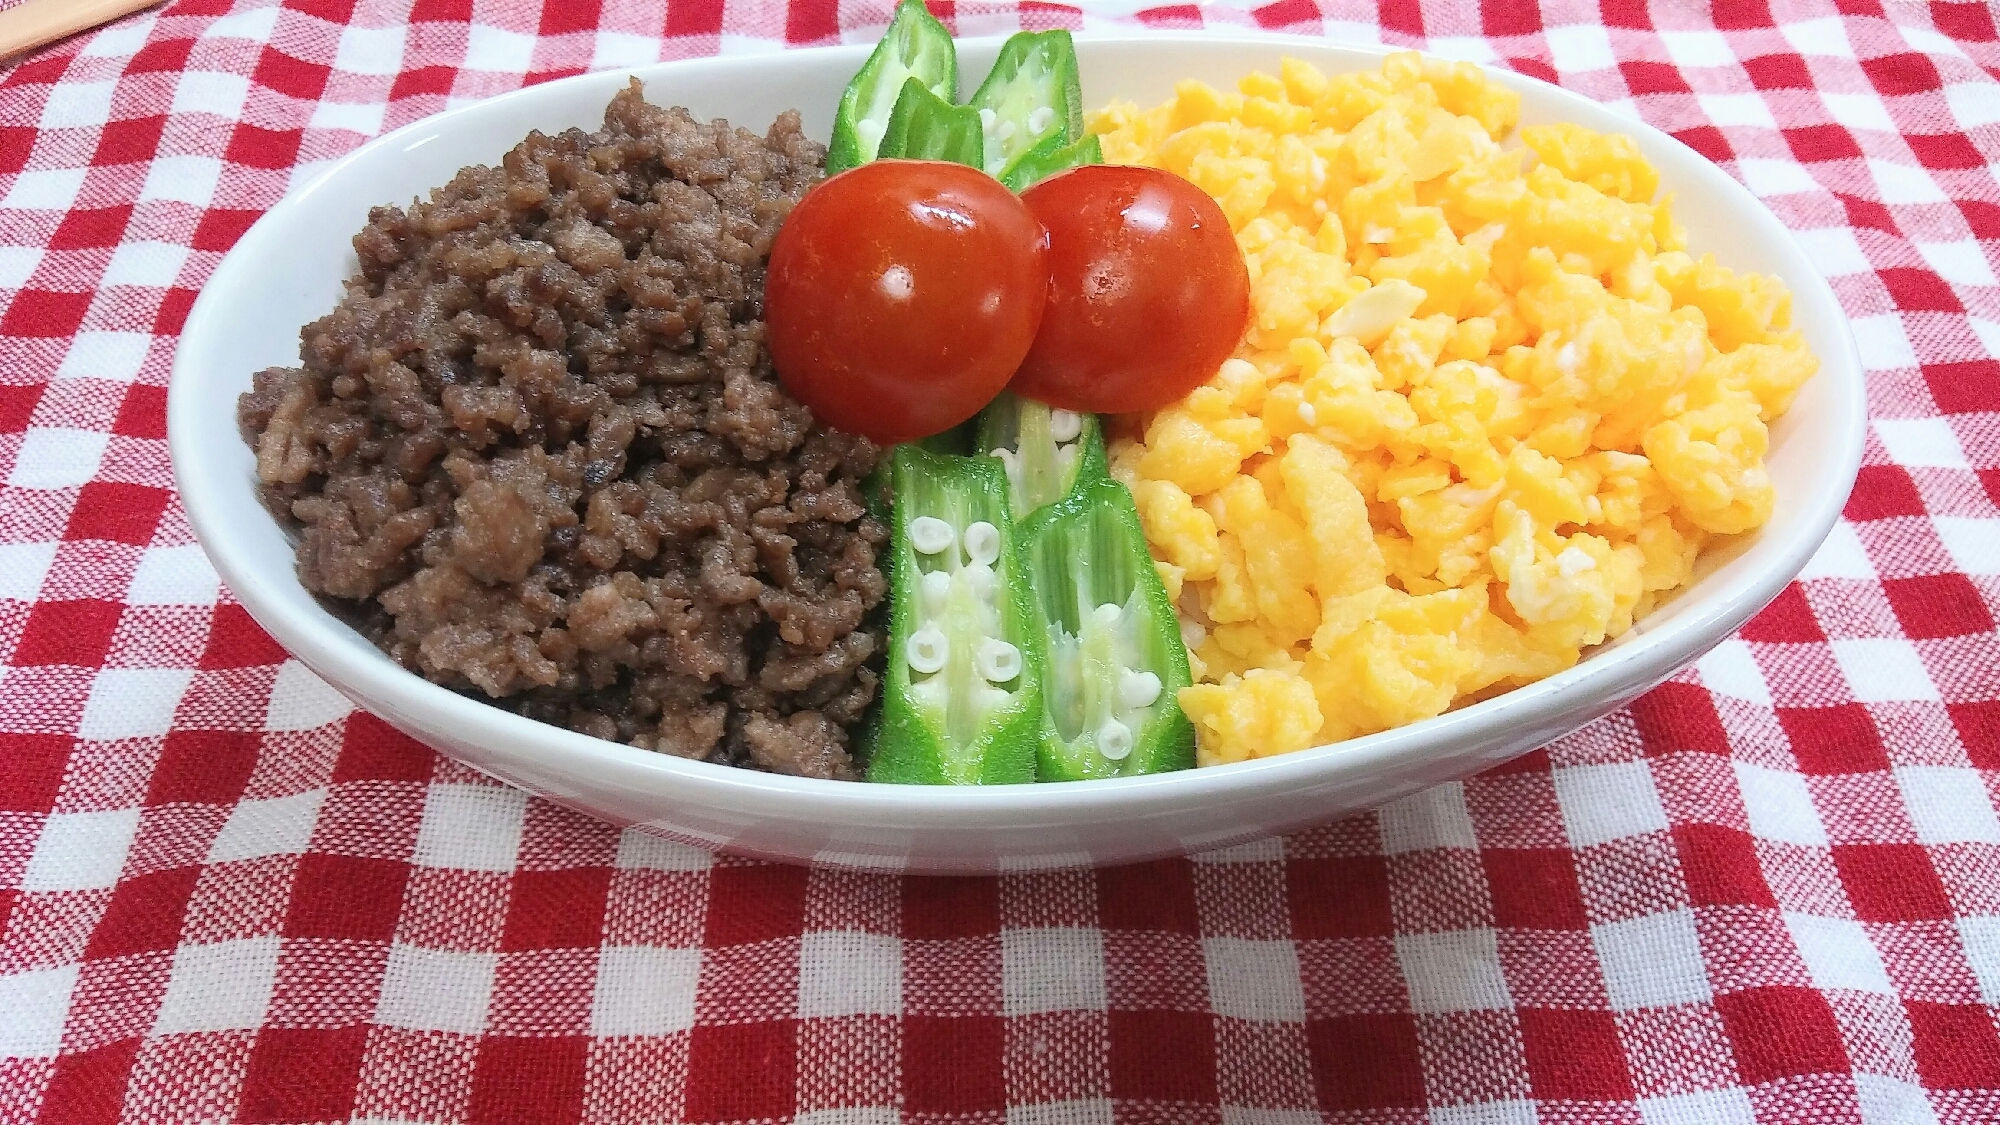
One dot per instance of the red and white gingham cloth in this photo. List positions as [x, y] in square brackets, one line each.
[1770, 891]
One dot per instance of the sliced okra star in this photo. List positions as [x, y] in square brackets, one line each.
[1044, 450]
[915, 46]
[924, 126]
[1033, 95]
[961, 696]
[1113, 659]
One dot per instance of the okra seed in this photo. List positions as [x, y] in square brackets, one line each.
[1107, 614]
[1006, 130]
[1064, 425]
[1114, 740]
[1138, 689]
[930, 535]
[1039, 120]
[1009, 460]
[982, 543]
[937, 587]
[998, 661]
[927, 650]
[986, 119]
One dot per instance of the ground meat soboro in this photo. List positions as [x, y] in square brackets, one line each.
[539, 449]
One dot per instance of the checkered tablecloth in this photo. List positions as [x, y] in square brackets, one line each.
[1770, 891]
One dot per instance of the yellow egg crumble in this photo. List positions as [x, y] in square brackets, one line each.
[1487, 411]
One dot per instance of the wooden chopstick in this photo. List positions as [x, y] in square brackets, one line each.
[30, 25]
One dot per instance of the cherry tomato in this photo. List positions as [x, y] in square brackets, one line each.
[901, 296]
[1148, 293]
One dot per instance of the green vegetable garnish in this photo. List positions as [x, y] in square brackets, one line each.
[1113, 658]
[1023, 124]
[1031, 105]
[915, 46]
[1043, 450]
[924, 126]
[1032, 94]
[962, 693]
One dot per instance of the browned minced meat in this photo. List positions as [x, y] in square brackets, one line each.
[539, 448]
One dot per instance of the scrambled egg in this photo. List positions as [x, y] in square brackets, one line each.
[1487, 411]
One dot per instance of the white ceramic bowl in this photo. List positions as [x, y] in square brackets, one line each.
[287, 270]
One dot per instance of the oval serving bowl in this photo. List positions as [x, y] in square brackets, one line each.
[287, 270]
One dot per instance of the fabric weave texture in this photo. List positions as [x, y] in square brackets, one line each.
[1767, 892]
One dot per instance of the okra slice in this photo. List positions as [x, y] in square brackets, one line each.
[1043, 449]
[915, 46]
[1048, 158]
[1113, 658]
[924, 126]
[962, 693]
[1032, 94]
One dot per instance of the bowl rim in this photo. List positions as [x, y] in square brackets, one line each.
[1613, 671]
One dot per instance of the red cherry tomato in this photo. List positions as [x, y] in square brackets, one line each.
[901, 296]
[1148, 293]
